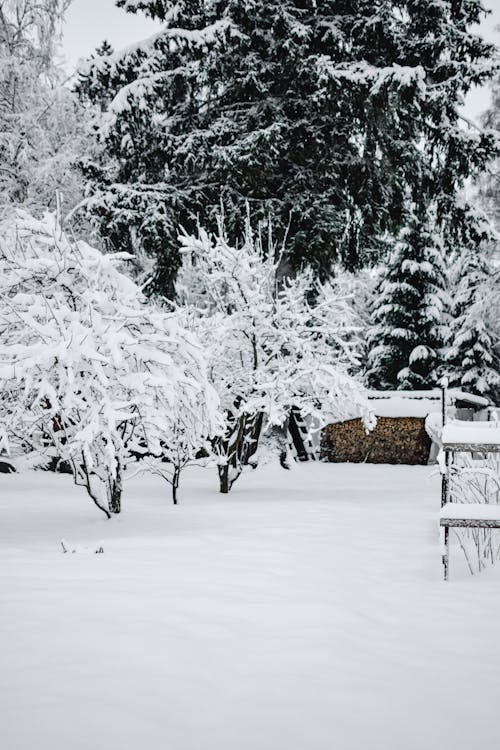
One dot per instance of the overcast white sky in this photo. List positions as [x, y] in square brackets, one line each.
[89, 22]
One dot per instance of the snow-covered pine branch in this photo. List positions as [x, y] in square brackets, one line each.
[272, 350]
[88, 371]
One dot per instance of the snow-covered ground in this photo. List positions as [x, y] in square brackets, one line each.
[304, 611]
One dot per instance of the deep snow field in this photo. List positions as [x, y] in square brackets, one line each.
[304, 611]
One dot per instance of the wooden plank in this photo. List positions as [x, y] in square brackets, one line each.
[471, 447]
[470, 523]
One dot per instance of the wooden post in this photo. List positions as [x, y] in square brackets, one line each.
[444, 478]
[446, 553]
[445, 482]
[444, 386]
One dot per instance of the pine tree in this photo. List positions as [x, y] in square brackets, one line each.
[471, 359]
[88, 89]
[407, 332]
[327, 117]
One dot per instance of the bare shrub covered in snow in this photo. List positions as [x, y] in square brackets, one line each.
[42, 125]
[89, 372]
[271, 348]
[477, 480]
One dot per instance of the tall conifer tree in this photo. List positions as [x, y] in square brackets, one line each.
[329, 117]
[408, 333]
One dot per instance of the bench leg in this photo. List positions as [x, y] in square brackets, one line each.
[446, 552]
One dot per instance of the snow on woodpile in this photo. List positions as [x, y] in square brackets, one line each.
[401, 406]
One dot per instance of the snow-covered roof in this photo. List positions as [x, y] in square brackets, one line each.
[418, 403]
[453, 394]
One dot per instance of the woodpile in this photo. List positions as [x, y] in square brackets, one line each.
[395, 440]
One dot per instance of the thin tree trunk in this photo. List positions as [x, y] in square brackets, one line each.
[175, 484]
[101, 507]
[115, 497]
[87, 483]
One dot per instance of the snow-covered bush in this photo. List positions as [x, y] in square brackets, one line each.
[476, 479]
[274, 346]
[88, 371]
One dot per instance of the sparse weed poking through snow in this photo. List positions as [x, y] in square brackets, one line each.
[271, 349]
[89, 373]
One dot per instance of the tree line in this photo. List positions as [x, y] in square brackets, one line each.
[340, 125]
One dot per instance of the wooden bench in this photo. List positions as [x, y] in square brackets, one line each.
[466, 516]
[473, 438]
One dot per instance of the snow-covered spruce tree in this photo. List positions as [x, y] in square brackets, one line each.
[408, 327]
[471, 360]
[270, 349]
[41, 121]
[489, 183]
[88, 372]
[324, 116]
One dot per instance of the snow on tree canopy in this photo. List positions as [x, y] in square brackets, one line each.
[272, 350]
[42, 130]
[88, 371]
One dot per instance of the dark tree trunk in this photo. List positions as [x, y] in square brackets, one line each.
[115, 494]
[224, 485]
[101, 507]
[175, 484]
[239, 449]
